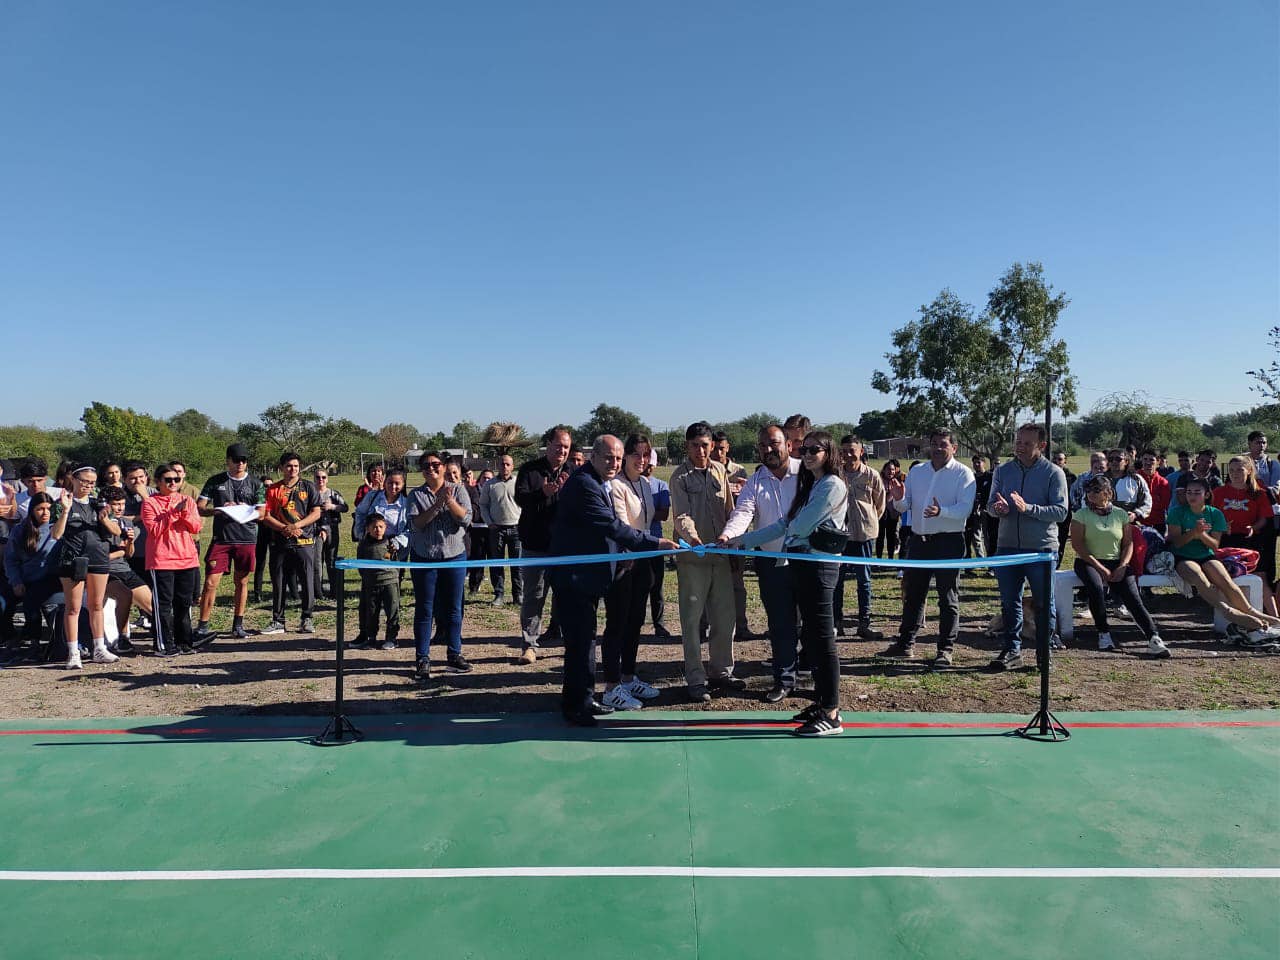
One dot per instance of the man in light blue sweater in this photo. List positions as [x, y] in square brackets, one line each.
[1029, 496]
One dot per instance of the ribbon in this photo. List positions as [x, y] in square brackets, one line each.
[702, 550]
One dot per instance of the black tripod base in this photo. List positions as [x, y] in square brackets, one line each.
[340, 730]
[1044, 726]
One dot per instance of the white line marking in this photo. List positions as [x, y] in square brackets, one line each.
[457, 873]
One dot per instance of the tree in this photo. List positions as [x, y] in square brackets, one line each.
[397, 439]
[465, 435]
[975, 373]
[281, 427]
[124, 434]
[1269, 377]
[880, 425]
[606, 419]
[199, 441]
[23, 441]
[1120, 419]
[340, 442]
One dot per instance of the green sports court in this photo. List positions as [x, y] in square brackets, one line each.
[656, 835]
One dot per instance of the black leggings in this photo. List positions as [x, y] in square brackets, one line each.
[1126, 591]
[174, 591]
[624, 606]
[815, 587]
[888, 535]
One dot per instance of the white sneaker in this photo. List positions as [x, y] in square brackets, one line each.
[641, 690]
[620, 699]
[73, 660]
[1272, 631]
[1156, 647]
[103, 655]
[1105, 642]
[1263, 636]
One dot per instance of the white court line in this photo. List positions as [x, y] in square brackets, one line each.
[456, 873]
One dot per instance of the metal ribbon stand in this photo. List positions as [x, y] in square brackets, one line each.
[339, 730]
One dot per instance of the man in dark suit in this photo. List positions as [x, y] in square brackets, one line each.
[585, 524]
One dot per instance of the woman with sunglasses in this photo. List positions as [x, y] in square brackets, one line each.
[85, 563]
[439, 512]
[1102, 538]
[172, 522]
[815, 523]
[1195, 531]
[1129, 491]
[1248, 511]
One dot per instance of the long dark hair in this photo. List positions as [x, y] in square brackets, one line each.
[806, 480]
[884, 469]
[31, 534]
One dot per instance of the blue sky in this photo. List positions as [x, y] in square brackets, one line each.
[434, 212]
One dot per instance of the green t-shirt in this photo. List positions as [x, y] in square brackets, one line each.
[1180, 516]
[1103, 536]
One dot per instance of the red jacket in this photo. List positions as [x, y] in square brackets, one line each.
[172, 523]
[1161, 495]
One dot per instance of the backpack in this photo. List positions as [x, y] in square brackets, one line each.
[1239, 561]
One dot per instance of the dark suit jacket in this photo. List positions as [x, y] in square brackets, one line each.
[585, 523]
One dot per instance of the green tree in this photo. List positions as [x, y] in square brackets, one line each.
[975, 373]
[465, 435]
[278, 428]
[24, 440]
[124, 434]
[340, 441]
[1268, 377]
[199, 441]
[607, 419]
[1120, 419]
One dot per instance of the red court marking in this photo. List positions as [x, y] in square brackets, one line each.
[639, 724]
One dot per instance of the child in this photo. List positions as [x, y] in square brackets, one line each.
[378, 588]
[123, 584]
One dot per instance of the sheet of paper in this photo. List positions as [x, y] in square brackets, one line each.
[240, 512]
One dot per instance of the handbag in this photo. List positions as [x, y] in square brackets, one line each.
[828, 539]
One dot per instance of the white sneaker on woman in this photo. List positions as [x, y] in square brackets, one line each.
[641, 690]
[73, 659]
[102, 655]
[620, 699]
[1156, 647]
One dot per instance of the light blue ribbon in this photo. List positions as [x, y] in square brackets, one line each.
[1004, 560]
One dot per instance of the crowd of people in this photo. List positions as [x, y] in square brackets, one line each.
[99, 533]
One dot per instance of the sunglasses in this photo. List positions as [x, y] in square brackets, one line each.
[434, 465]
[811, 451]
[170, 479]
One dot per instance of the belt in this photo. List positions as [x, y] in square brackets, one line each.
[926, 537]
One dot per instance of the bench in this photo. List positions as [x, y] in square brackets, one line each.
[1066, 581]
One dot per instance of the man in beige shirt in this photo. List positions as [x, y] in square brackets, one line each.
[700, 505]
[866, 504]
[737, 476]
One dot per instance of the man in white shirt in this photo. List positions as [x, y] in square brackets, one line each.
[939, 495]
[764, 498]
[501, 515]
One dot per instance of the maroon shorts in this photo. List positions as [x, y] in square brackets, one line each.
[222, 555]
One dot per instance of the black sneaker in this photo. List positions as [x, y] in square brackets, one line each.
[899, 651]
[459, 663]
[165, 651]
[779, 692]
[727, 683]
[185, 651]
[202, 638]
[820, 726]
[1007, 660]
[599, 709]
[422, 672]
[123, 645]
[942, 661]
[238, 632]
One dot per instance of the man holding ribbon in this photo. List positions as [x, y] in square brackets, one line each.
[585, 524]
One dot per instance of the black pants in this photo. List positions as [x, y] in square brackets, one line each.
[577, 614]
[815, 587]
[975, 544]
[504, 541]
[34, 597]
[915, 588]
[477, 549]
[326, 557]
[378, 598]
[1126, 591]
[260, 566]
[1064, 537]
[173, 592]
[287, 561]
[887, 538]
[624, 613]
[657, 602]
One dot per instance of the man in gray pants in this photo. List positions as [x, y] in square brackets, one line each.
[537, 494]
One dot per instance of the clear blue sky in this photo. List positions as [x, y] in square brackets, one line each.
[434, 212]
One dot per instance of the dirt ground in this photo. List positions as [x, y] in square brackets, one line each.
[294, 674]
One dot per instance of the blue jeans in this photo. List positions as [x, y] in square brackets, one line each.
[862, 573]
[437, 595]
[1010, 581]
